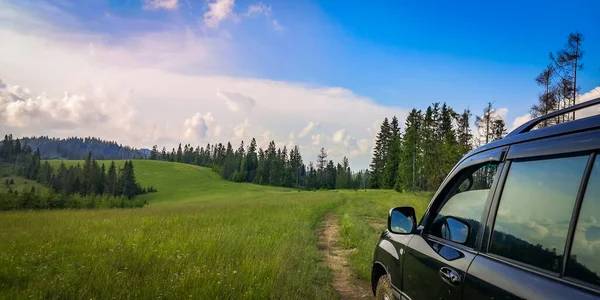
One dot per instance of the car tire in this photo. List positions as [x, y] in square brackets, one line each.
[384, 289]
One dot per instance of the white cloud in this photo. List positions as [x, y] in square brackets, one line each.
[160, 4]
[20, 108]
[316, 140]
[267, 137]
[520, 121]
[257, 9]
[239, 129]
[338, 136]
[237, 102]
[277, 26]
[591, 111]
[501, 112]
[218, 11]
[218, 131]
[197, 126]
[308, 129]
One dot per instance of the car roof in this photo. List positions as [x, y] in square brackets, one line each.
[525, 133]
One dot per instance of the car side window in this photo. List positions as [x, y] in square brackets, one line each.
[584, 260]
[535, 210]
[465, 203]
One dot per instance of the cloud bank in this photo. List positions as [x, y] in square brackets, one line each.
[140, 91]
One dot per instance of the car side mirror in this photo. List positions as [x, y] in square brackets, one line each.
[402, 220]
[455, 230]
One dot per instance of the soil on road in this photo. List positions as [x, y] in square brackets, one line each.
[345, 282]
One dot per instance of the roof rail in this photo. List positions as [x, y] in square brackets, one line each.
[532, 123]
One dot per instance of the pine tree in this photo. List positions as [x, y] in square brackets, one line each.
[392, 158]
[296, 165]
[547, 101]
[498, 129]
[276, 169]
[111, 180]
[261, 170]
[270, 163]
[464, 135]
[430, 144]
[410, 153]
[229, 163]
[179, 153]
[321, 165]
[87, 184]
[286, 169]
[567, 62]
[330, 175]
[484, 125]
[311, 180]
[451, 150]
[163, 154]
[251, 161]
[343, 176]
[154, 153]
[379, 155]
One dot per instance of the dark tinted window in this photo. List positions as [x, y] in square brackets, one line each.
[535, 210]
[469, 195]
[584, 261]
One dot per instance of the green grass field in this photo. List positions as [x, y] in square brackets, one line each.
[200, 237]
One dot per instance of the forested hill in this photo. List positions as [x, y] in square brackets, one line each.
[79, 148]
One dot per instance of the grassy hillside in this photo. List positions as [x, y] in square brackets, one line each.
[21, 184]
[177, 182]
[200, 237]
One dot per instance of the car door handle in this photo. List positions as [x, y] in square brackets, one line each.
[450, 276]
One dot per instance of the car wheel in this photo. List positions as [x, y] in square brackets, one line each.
[384, 289]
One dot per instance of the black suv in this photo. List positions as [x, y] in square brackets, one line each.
[518, 218]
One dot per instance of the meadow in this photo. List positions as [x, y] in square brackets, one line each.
[200, 237]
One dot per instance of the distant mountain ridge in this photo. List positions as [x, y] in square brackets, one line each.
[78, 148]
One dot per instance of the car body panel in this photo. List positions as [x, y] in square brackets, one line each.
[425, 257]
[491, 279]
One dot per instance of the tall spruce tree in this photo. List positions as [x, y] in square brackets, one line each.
[392, 157]
[179, 153]
[379, 155]
[251, 161]
[410, 153]
[463, 134]
[430, 145]
[321, 165]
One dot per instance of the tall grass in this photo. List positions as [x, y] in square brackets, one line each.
[364, 216]
[200, 237]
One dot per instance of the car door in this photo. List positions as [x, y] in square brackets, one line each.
[542, 236]
[438, 256]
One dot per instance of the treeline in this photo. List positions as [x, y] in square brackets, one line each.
[271, 166]
[76, 148]
[432, 142]
[49, 199]
[90, 185]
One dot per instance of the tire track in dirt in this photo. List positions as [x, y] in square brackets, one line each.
[345, 282]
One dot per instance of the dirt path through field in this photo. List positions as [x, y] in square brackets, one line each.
[345, 282]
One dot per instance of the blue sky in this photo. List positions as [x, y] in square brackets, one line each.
[303, 58]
